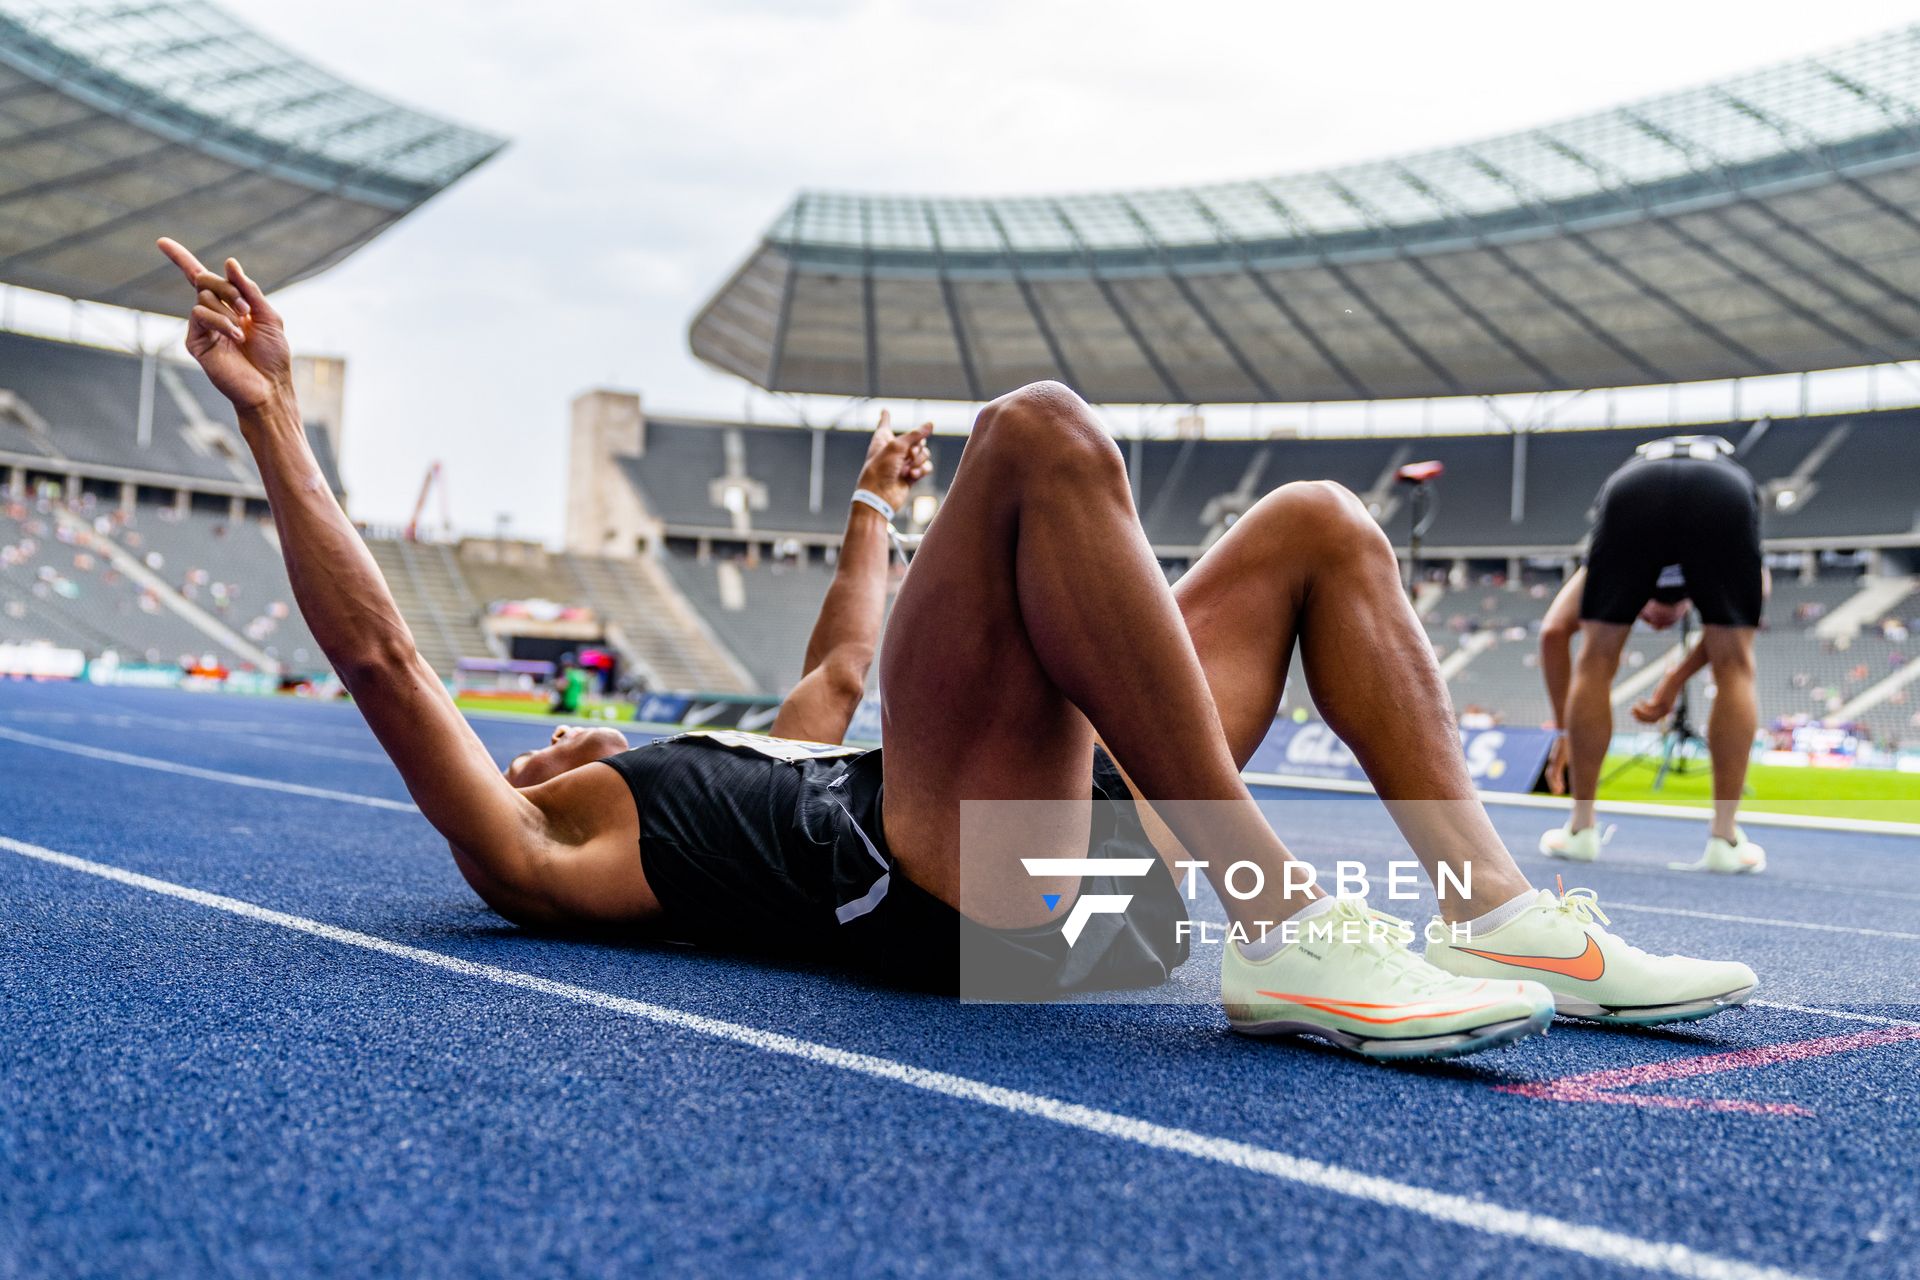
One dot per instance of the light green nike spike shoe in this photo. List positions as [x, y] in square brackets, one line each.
[1350, 979]
[1592, 973]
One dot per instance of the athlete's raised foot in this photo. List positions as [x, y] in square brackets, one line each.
[1351, 980]
[1592, 973]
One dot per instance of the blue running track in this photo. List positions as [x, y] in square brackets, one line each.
[266, 1030]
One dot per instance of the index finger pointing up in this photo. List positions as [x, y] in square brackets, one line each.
[181, 257]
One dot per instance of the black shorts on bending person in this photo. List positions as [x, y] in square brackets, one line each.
[773, 846]
[1676, 528]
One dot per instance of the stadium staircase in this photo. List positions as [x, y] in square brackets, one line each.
[462, 611]
[217, 633]
[673, 644]
[431, 634]
[444, 594]
[1876, 597]
[1878, 695]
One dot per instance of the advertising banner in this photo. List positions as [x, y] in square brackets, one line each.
[1498, 759]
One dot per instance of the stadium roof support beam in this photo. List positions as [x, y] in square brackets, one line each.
[81, 178]
[1852, 266]
[1175, 393]
[1553, 298]
[967, 366]
[1426, 272]
[54, 132]
[267, 221]
[1286, 310]
[1694, 154]
[777, 349]
[1639, 282]
[1381, 314]
[140, 216]
[1192, 297]
[1040, 322]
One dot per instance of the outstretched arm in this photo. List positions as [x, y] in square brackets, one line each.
[498, 834]
[847, 633]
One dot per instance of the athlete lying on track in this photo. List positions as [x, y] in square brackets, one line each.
[1035, 615]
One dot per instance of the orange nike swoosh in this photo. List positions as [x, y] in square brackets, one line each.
[1585, 967]
[1349, 1008]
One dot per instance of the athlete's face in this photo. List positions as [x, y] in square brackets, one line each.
[569, 748]
[1660, 615]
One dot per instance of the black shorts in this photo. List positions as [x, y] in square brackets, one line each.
[762, 844]
[1676, 528]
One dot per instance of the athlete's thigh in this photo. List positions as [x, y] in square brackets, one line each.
[1722, 556]
[1633, 539]
[967, 711]
[1242, 606]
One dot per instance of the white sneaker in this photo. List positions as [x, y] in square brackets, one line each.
[1575, 846]
[1740, 856]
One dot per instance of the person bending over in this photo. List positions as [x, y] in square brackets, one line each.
[1035, 616]
[1678, 527]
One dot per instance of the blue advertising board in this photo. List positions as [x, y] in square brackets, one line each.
[1498, 759]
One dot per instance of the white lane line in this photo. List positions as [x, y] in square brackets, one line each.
[1636, 808]
[1847, 1014]
[1766, 920]
[236, 731]
[1465, 1211]
[210, 775]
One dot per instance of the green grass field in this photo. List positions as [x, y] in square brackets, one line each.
[512, 706]
[1878, 794]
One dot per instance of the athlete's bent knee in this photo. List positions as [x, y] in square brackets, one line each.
[1045, 427]
[1327, 514]
[1735, 664]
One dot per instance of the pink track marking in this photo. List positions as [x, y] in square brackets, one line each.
[1602, 1086]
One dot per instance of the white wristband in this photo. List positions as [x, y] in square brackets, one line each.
[868, 498]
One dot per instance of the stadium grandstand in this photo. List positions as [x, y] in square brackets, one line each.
[746, 519]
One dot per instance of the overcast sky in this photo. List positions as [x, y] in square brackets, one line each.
[653, 142]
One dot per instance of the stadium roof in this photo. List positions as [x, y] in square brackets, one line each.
[1756, 226]
[119, 122]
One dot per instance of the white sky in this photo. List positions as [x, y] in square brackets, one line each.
[653, 142]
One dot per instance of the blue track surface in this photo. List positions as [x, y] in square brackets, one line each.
[189, 1091]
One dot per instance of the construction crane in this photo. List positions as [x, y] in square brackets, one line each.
[420, 506]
